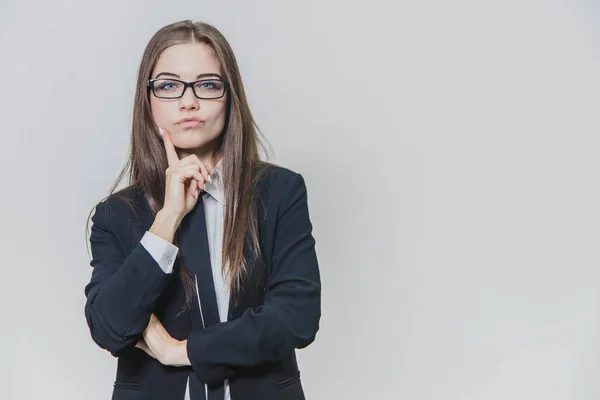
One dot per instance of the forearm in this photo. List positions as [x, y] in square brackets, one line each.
[260, 335]
[118, 308]
[122, 291]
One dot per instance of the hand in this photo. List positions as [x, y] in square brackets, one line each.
[184, 179]
[141, 344]
[158, 344]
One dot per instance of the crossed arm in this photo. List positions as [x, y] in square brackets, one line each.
[123, 290]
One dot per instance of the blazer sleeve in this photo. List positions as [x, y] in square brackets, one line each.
[289, 317]
[123, 288]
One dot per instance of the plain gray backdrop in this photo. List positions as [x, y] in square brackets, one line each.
[450, 150]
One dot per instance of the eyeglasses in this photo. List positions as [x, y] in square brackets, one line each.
[174, 88]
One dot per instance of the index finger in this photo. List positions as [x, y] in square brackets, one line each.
[172, 157]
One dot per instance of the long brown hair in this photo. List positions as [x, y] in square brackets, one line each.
[238, 146]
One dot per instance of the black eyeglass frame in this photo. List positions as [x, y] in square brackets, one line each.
[185, 86]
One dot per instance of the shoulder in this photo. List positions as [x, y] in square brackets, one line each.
[278, 180]
[281, 188]
[120, 207]
[120, 219]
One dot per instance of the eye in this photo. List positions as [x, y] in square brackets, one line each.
[166, 85]
[209, 85]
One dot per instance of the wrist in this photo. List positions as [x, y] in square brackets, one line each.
[169, 216]
[165, 224]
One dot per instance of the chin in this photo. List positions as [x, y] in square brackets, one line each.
[189, 144]
[190, 139]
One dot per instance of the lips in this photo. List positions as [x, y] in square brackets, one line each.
[181, 121]
[190, 124]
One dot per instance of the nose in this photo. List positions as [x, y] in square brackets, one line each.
[188, 101]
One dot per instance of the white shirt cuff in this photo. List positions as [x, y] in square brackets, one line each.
[163, 251]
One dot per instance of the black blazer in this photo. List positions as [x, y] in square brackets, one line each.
[277, 310]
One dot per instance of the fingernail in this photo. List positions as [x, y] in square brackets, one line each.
[209, 179]
[160, 131]
[196, 194]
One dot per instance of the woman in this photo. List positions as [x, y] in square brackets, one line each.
[205, 277]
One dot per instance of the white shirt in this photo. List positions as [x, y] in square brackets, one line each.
[164, 252]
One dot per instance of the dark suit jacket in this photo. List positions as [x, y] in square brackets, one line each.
[277, 311]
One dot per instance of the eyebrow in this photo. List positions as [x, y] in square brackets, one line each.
[199, 76]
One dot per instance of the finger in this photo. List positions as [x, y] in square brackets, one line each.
[148, 327]
[150, 353]
[193, 159]
[143, 346]
[193, 188]
[205, 172]
[158, 323]
[188, 172]
[172, 157]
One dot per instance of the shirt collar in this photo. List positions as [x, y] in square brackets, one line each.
[215, 189]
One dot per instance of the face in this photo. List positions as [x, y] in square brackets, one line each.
[186, 62]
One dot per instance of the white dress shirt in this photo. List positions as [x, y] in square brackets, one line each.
[165, 252]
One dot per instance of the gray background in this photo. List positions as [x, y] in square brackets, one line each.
[450, 152]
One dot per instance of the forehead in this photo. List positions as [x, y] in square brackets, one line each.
[188, 60]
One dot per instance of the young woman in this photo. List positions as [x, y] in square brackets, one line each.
[205, 277]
